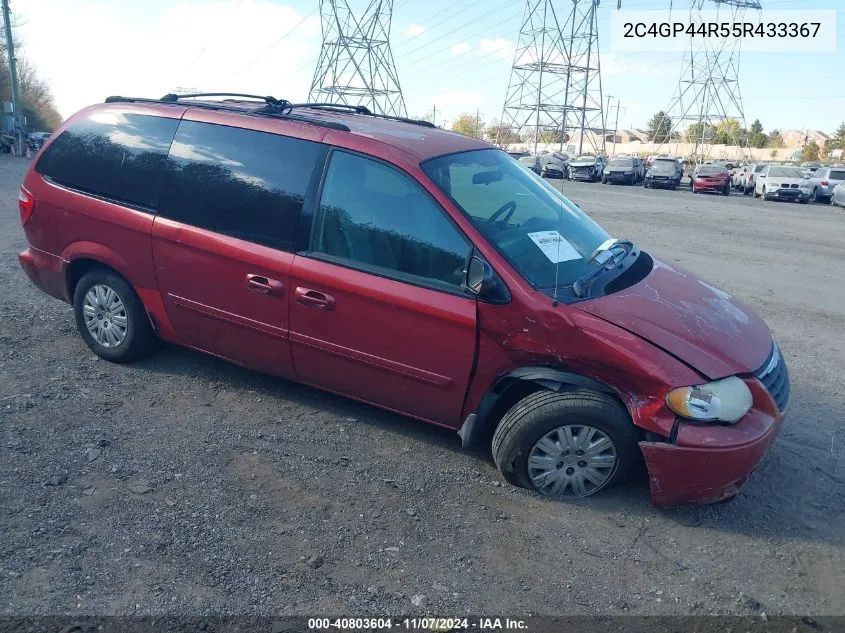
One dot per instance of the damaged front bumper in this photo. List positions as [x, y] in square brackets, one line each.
[710, 463]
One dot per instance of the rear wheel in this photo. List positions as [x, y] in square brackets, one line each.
[570, 444]
[727, 190]
[110, 317]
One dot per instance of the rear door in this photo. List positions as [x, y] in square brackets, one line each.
[225, 237]
[377, 308]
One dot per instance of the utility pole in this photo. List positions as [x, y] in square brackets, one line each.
[434, 115]
[13, 70]
[616, 125]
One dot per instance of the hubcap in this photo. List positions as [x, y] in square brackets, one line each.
[572, 461]
[105, 315]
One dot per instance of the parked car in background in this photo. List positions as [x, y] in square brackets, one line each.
[586, 167]
[738, 175]
[712, 178]
[533, 163]
[650, 160]
[664, 173]
[779, 182]
[824, 181]
[623, 170]
[749, 181]
[837, 197]
[551, 167]
[518, 154]
[504, 312]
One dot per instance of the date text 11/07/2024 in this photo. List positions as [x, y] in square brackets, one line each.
[429, 624]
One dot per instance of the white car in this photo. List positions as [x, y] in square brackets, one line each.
[837, 197]
[738, 176]
[746, 183]
[781, 182]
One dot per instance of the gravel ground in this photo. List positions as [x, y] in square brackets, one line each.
[185, 485]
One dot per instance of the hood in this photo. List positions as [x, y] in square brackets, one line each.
[692, 320]
[582, 163]
[784, 180]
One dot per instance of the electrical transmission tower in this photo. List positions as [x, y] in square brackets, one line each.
[356, 66]
[708, 98]
[555, 91]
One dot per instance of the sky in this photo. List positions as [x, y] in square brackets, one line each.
[454, 55]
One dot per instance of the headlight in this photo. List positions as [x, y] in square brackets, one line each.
[725, 400]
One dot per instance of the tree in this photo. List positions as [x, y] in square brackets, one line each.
[838, 140]
[553, 136]
[775, 139]
[469, 125]
[700, 132]
[659, 127]
[501, 134]
[756, 136]
[810, 152]
[36, 100]
[730, 132]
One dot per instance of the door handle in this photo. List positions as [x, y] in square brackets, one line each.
[314, 299]
[264, 285]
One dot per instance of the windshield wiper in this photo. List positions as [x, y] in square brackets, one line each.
[609, 255]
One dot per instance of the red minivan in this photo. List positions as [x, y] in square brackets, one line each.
[415, 269]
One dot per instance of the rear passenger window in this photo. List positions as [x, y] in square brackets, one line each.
[373, 215]
[246, 184]
[111, 154]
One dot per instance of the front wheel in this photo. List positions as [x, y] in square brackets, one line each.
[570, 444]
[763, 194]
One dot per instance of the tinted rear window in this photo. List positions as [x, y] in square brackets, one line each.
[111, 154]
[665, 165]
[246, 184]
[837, 174]
[712, 169]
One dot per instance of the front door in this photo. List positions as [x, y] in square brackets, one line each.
[377, 311]
[224, 241]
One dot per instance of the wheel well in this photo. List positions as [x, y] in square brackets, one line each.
[77, 268]
[513, 389]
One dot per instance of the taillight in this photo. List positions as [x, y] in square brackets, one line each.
[26, 205]
[825, 183]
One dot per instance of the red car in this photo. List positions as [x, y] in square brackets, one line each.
[711, 178]
[415, 269]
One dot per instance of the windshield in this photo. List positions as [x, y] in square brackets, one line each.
[786, 172]
[621, 162]
[527, 160]
[529, 221]
[586, 159]
[664, 165]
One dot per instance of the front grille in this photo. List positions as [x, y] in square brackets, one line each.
[775, 377]
[794, 186]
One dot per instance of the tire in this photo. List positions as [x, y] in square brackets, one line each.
[762, 194]
[540, 413]
[726, 191]
[137, 337]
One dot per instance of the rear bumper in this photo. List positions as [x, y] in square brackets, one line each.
[618, 177]
[711, 186]
[46, 271]
[664, 183]
[708, 464]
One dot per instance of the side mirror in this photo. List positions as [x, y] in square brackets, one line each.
[482, 281]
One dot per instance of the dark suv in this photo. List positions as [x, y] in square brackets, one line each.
[415, 269]
[664, 173]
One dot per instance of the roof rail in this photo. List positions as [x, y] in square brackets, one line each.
[173, 97]
[356, 109]
[277, 110]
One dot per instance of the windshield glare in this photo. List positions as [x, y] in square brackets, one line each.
[529, 221]
[786, 172]
[621, 162]
[664, 165]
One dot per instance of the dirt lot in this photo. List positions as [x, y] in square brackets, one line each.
[187, 485]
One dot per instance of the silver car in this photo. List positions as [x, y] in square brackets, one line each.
[837, 197]
[824, 181]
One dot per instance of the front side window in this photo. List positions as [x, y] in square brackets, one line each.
[543, 235]
[242, 183]
[111, 154]
[375, 217]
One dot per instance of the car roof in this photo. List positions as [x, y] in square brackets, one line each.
[420, 140]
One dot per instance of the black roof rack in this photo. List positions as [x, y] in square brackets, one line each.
[358, 109]
[276, 109]
[279, 108]
[173, 97]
